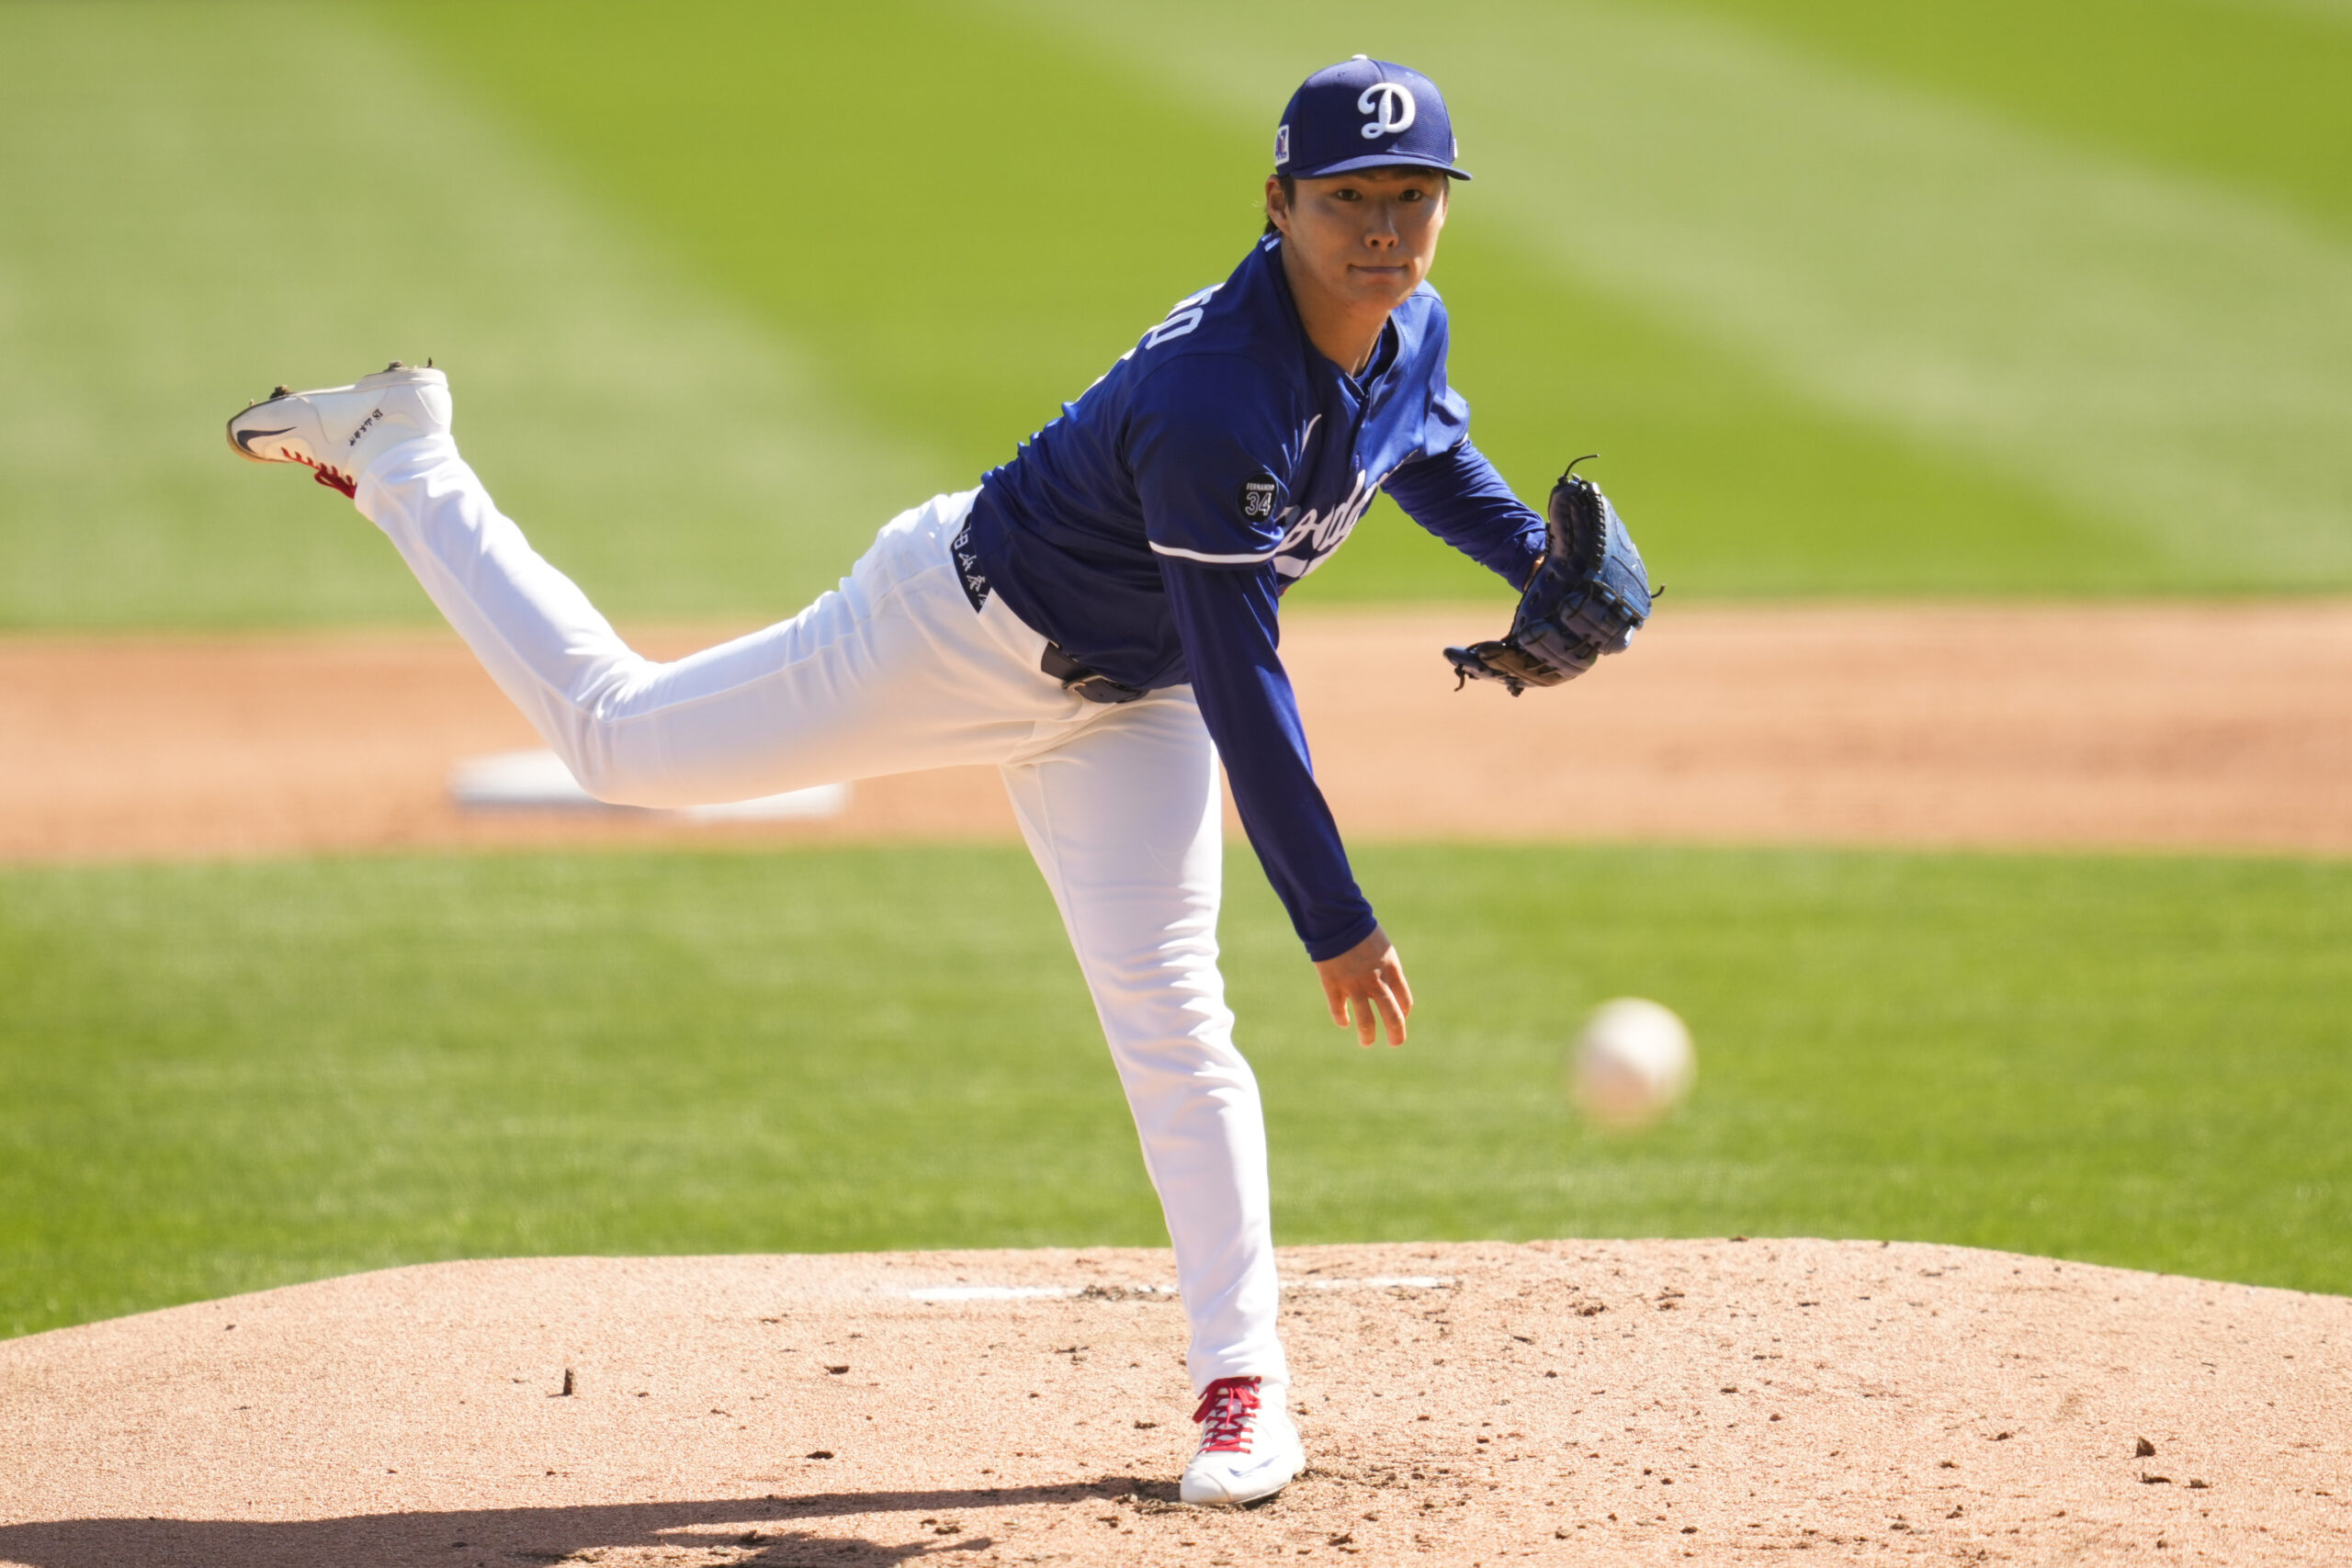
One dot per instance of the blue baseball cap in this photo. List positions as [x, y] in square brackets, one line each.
[1364, 113]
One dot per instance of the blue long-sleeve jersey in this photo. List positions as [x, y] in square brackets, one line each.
[1150, 531]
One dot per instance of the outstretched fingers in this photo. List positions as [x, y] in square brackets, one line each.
[1365, 990]
[1380, 1001]
[1365, 1009]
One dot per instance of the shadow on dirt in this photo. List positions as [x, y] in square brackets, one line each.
[947, 1523]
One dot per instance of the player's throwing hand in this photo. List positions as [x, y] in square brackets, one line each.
[1368, 980]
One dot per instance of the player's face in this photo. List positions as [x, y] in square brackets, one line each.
[1365, 238]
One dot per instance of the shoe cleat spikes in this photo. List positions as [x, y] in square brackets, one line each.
[280, 391]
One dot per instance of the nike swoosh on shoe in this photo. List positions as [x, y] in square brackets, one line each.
[245, 438]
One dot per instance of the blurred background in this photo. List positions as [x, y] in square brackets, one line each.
[2034, 313]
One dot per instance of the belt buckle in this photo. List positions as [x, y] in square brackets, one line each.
[1091, 685]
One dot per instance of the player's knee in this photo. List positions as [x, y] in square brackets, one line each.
[604, 741]
[606, 773]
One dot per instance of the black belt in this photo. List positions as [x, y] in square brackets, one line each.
[1091, 684]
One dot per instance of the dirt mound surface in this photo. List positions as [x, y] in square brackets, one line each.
[2121, 725]
[1718, 1402]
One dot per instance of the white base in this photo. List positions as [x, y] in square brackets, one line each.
[537, 781]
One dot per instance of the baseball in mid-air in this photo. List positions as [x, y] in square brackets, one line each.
[1631, 1064]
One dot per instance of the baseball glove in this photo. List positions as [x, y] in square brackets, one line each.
[1588, 595]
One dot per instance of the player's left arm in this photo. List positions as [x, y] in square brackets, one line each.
[1459, 496]
[1584, 590]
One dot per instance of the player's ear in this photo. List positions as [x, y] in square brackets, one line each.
[1277, 207]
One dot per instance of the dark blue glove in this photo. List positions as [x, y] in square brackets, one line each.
[1587, 596]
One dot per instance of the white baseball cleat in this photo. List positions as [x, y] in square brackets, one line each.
[336, 432]
[1248, 1447]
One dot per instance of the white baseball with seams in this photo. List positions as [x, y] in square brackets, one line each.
[893, 671]
[1631, 1064]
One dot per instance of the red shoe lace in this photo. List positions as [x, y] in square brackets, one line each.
[333, 478]
[1226, 1406]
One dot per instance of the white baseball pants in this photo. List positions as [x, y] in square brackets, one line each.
[892, 671]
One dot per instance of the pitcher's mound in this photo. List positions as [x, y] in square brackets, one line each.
[1567, 1401]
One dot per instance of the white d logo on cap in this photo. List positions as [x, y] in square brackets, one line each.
[1392, 108]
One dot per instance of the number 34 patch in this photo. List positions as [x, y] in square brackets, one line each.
[1258, 497]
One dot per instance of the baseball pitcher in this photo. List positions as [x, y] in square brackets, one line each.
[1097, 620]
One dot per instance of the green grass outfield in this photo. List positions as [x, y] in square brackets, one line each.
[220, 1078]
[1956, 295]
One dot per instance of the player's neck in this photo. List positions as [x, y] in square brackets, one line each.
[1345, 331]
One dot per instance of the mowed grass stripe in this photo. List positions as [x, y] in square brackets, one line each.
[716, 312]
[971, 281]
[219, 1078]
[1731, 487]
[966, 217]
[194, 203]
[2119, 336]
[2242, 93]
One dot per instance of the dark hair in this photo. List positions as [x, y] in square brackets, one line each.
[1290, 194]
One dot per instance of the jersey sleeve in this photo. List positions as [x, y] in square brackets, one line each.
[1458, 496]
[1227, 619]
[1205, 442]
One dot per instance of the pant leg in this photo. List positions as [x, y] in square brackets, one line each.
[889, 672]
[1124, 821]
[893, 671]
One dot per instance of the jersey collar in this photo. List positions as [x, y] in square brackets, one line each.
[1318, 363]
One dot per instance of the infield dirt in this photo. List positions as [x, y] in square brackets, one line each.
[2123, 727]
[1711, 1402]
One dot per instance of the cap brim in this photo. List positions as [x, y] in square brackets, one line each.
[1375, 161]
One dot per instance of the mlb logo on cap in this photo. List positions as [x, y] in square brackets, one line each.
[1364, 113]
